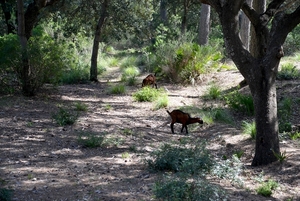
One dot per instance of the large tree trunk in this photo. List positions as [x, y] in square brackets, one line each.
[204, 25]
[97, 39]
[263, 90]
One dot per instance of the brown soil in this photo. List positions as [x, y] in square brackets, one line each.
[42, 161]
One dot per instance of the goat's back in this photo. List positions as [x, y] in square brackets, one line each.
[179, 116]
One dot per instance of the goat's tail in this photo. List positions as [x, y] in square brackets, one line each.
[168, 112]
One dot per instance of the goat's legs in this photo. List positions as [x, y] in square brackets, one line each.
[172, 127]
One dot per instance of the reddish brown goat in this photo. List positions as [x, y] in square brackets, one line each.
[183, 118]
[149, 80]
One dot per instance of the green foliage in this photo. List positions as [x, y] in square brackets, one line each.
[295, 135]
[81, 106]
[280, 156]
[5, 194]
[161, 102]
[129, 75]
[288, 72]
[284, 115]
[229, 169]
[180, 188]
[238, 154]
[266, 188]
[147, 94]
[240, 102]
[44, 55]
[213, 92]
[190, 160]
[65, 117]
[249, 128]
[210, 115]
[117, 89]
[90, 140]
[112, 141]
[184, 62]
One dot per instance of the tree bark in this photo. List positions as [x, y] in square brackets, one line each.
[204, 24]
[245, 28]
[97, 39]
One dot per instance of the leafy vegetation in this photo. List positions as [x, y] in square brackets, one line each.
[240, 102]
[65, 117]
[266, 188]
[117, 89]
[148, 94]
[90, 139]
[249, 128]
[288, 72]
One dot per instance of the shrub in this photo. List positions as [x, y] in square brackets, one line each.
[117, 89]
[91, 140]
[249, 129]
[185, 61]
[240, 102]
[147, 94]
[161, 102]
[65, 117]
[194, 160]
[266, 188]
[288, 72]
[229, 169]
[178, 188]
[129, 75]
[81, 106]
[213, 92]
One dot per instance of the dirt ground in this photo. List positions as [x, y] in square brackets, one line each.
[43, 161]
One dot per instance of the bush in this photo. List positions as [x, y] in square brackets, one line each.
[185, 62]
[194, 160]
[91, 140]
[161, 102]
[288, 72]
[249, 129]
[240, 102]
[117, 89]
[266, 188]
[213, 92]
[147, 94]
[178, 188]
[129, 75]
[65, 117]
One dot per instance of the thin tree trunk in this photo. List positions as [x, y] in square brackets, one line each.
[26, 87]
[184, 17]
[7, 14]
[97, 39]
[204, 25]
[163, 11]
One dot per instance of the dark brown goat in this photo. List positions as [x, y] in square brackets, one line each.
[149, 80]
[183, 118]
